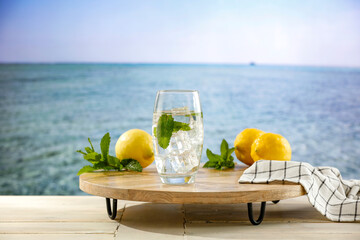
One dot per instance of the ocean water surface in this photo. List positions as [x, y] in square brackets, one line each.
[49, 110]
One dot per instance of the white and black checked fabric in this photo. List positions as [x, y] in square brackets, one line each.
[335, 198]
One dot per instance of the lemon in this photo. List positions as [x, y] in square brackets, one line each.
[136, 144]
[243, 143]
[271, 146]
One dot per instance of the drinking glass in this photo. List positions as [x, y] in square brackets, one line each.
[178, 135]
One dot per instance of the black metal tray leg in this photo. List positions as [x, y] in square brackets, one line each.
[275, 202]
[262, 213]
[111, 213]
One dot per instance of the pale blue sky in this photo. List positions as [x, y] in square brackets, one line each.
[322, 32]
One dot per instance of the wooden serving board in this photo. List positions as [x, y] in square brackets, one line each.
[210, 187]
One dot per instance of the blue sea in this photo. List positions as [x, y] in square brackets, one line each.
[49, 110]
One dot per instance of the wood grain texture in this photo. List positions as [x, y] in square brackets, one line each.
[58, 227]
[219, 213]
[73, 209]
[210, 187]
[56, 217]
[269, 230]
[56, 236]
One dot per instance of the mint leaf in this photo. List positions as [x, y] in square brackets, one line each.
[229, 152]
[220, 162]
[181, 126]
[85, 169]
[126, 161]
[131, 164]
[79, 151]
[230, 164]
[104, 166]
[115, 162]
[88, 150]
[209, 164]
[92, 157]
[224, 148]
[166, 126]
[104, 146]
[212, 157]
[100, 165]
[92, 147]
[164, 130]
[134, 165]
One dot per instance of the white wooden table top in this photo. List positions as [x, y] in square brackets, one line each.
[85, 217]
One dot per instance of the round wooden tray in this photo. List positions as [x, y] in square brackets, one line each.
[210, 187]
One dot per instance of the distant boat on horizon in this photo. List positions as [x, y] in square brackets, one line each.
[252, 64]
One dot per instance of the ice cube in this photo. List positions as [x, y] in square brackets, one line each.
[160, 163]
[188, 160]
[180, 111]
[177, 163]
[182, 140]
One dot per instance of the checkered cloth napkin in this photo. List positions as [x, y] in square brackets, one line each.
[335, 198]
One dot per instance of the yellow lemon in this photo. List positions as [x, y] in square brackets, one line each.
[243, 143]
[136, 144]
[271, 146]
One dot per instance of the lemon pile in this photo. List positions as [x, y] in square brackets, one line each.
[253, 144]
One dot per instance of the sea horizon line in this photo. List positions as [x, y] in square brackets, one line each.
[249, 64]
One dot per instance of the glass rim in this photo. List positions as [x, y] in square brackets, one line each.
[169, 90]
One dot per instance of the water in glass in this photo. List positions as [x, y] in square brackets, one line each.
[179, 161]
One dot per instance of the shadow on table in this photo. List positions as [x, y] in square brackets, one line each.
[177, 219]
